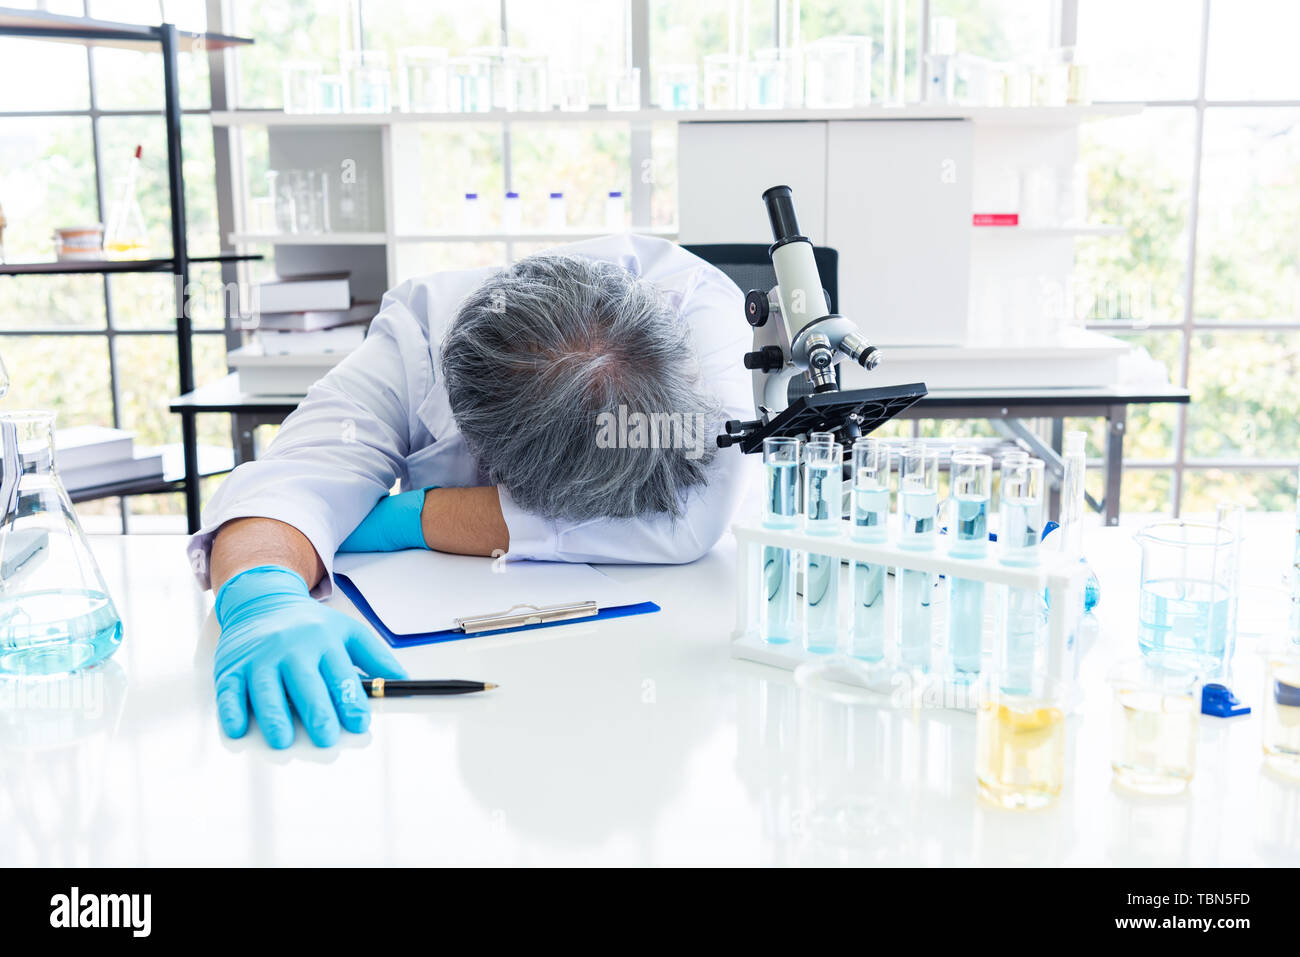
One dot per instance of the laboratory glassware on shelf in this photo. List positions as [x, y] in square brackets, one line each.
[678, 87]
[615, 217]
[126, 236]
[422, 79]
[940, 62]
[767, 80]
[368, 81]
[470, 86]
[56, 614]
[623, 90]
[1020, 741]
[724, 82]
[837, 72]
[557, 213]
[1186, 594]
[571, 92]
[823, 502]
[300, 81]
[532, 82]
[1154, 726]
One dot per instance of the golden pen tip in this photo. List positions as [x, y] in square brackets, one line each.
[488, 686]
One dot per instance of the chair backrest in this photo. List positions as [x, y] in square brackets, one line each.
[749, 266]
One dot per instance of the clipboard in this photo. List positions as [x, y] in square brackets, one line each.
[487, 609]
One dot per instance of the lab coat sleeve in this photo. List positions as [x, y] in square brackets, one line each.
[713, 307]
[339, 452]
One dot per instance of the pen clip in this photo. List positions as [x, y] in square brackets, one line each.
[524, 614]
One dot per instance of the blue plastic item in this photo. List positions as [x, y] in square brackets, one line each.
[1219, 701]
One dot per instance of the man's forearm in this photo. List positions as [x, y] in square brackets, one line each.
[464, 521]
[245, 543]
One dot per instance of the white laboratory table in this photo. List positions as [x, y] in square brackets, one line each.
[630, 741]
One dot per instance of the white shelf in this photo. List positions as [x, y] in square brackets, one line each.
[1042, 232]
[311, 239]
[567, 235]
[384, 239]
[984, 115]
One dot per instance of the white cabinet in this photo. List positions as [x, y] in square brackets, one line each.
[893, 197]
[723, 168]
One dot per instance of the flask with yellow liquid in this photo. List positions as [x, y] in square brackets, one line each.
[126, 236]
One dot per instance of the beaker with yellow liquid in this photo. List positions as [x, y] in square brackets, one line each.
[1154, 725]
[1020, 741]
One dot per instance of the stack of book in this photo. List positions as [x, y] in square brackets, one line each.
[305, 326]
[91, 456]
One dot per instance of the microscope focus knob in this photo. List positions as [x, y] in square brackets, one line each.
[766, 359]
[756, 308]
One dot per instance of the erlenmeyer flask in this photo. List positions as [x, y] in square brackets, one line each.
[55, 611]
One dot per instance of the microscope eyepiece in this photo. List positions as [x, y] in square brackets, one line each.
[780, 212]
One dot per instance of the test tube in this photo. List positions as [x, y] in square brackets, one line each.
[1019, 533]
[870, 478]
[778, 616]
[823, 475]
[972, 481]
[918, 505]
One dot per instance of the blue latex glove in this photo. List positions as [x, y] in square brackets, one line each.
[392, 525]
[275, 638]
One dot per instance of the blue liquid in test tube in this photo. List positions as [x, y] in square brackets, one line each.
[870, 524]
[1020, 535]
[918, 498]
[972, 476]
[779, 622]
[824, 469]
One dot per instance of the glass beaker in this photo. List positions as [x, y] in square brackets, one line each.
[767, 80]
[829, 78]
[678, 87]
[471, 84]
[1282, 711]
[724, 82]
[55, 611]
[300, 84]
[368, 81]
[422, 79]
[1154, 726]
[1020, 742]
[1186, 592]
[532, 92]
[623, 90]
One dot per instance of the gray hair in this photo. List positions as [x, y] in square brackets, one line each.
[542, 353]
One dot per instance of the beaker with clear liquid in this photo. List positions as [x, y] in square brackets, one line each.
[55, 611]
[1187, 586]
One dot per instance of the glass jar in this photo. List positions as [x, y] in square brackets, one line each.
[56, 614]
[422, 79]
[471, 85]
[723, 82]
[368, 81]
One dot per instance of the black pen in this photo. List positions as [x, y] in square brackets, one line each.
[412, 687]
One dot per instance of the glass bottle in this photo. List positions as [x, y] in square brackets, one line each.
[55, 611]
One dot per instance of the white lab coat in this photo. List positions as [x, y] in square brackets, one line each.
[383, 416]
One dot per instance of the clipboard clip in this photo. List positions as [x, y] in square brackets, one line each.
[519, 616]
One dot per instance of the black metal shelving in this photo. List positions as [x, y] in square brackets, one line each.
[166, 38]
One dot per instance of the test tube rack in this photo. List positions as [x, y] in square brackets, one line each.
[1057, 574]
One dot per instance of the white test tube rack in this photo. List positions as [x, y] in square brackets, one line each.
[1056, 573]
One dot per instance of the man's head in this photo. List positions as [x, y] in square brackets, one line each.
[575, 386]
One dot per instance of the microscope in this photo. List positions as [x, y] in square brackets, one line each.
[798, 347]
